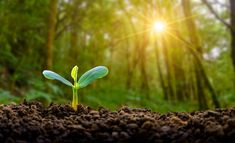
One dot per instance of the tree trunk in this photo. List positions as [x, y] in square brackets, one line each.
[73, 58]
[197, 53]
[132, 62]
[232, 31]
[74, 47]
[176, 58]
[144, 75]
[163, 85]
[194, 40]
[169, 78]
[200, 90]
[51, 34]
[230, 26]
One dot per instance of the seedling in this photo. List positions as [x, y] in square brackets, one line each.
[87, 78]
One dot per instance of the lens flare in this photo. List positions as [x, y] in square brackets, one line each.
[159, 26]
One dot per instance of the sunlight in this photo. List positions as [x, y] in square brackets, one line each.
[159, 26]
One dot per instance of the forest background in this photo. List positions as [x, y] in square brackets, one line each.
[186, 64]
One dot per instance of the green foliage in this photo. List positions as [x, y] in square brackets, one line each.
[87, 78]
[52, 75]
[39, 92]
[74, 73]
[116, 97]
[91, 75]
[116, 33]
[37, 95]
[6, 97]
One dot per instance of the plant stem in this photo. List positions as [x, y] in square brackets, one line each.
[75, 98]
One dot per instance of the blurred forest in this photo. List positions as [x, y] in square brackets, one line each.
[184, 63]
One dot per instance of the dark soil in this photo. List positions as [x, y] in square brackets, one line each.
[31, 122]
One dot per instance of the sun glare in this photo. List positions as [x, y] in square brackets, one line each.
[159, 26]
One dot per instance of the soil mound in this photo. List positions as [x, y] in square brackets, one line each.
[31, 122]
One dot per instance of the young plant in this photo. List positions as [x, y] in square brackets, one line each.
[83, 81]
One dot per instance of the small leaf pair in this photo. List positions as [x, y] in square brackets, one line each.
[87, 78]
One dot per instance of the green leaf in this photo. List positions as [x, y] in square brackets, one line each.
[52, 75]
[91, 75]
[74, 73]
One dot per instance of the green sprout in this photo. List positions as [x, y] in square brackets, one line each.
[83, 81]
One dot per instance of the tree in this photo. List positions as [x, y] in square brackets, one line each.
[201, 77]
[232, 30]
[230, 26]
[51, 34]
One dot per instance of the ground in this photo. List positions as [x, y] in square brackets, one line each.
[31, 122]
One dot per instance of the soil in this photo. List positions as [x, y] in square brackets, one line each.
[31, 122]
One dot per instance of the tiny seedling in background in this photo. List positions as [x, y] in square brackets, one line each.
[83, 81]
